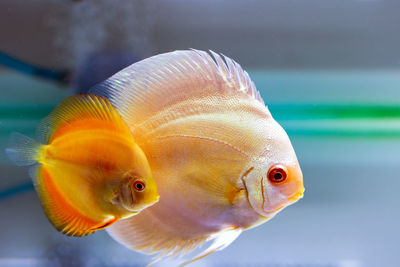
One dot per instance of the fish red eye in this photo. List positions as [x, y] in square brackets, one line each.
[277, 174]
[139, 186]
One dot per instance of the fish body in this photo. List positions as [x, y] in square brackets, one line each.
[85, 170]
[222, 164]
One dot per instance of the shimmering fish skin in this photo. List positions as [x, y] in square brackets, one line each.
[211, 142]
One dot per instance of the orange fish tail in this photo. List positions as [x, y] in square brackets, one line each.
[23, 151]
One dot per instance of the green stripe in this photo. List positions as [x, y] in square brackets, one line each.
[380, 121]
[279, 111]
[331, 111]
[25, 112]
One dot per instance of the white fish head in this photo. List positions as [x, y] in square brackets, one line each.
[274, 180]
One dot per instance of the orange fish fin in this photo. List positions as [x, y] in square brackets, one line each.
[105, 225]
[87, 109]
[145, 88]
[64, 217]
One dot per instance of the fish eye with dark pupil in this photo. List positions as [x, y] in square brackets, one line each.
[138, 186]
[277, 174]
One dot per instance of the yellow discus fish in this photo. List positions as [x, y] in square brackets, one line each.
[222, 164]
[89, 172]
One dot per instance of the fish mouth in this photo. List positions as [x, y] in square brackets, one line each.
[297, 196]
[292, 199]
[135, 207]
[154, 201]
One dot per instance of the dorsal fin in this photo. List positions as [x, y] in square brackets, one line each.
[79, 108]
[156, 83]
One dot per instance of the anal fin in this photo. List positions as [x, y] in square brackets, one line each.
[155, 231]
[64, 216]
[220, 241]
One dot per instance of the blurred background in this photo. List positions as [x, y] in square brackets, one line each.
[328, 70]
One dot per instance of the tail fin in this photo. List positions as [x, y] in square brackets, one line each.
[23, 151]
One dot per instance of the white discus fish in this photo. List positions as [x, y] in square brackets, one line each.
[222, 164]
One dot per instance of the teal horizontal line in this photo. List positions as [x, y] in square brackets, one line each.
[333, 111]
[327, 120]
[24, 112]
[343, 134]
[279, 111]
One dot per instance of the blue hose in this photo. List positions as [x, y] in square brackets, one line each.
[15, 190]
[32, 70]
